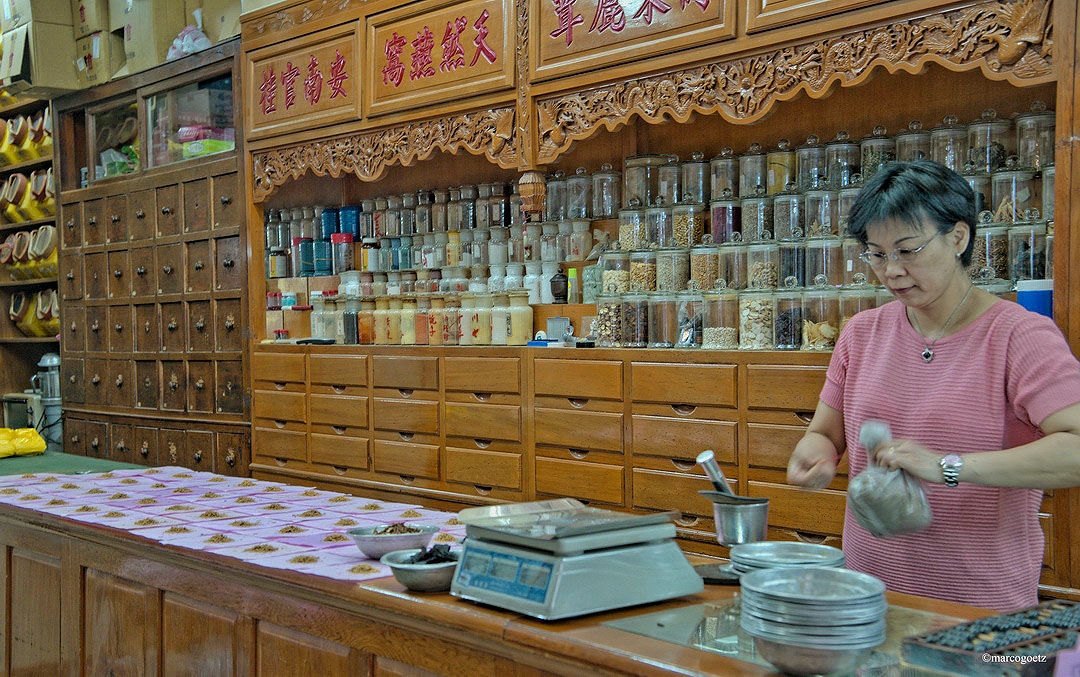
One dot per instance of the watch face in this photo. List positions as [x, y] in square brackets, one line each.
[952, 459]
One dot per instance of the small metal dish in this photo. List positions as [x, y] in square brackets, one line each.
[813, 584]
[376, 545]
[799, 660]
[421, 577]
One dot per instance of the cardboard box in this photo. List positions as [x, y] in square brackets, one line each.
[39, 60]
[89, 16]
[205, 107]
[148, 28]
[220, 19]
[98, 57]
[15, 13]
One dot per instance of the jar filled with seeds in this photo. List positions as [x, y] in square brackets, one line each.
[672, 269]
[468, 207]
[695, 178]
[720, 324]
[724, 174]
[1035, 137]
[725, 217]
[581, 240]
[615, 265]
[990, 141]
[483, 205]
[578, 195]
[821, 318]
[991, 250]
[732, 268]
[855, 299]
[669, 182]
[788, 325]
[810, 161]
[641, 178]
[658, 224]
[757, 216]
[842, 156]
[980, 185]
[1027, 252]
[633, 231]
[792, 260]
[704, 265]
[635, 320]
[821, 212]
[753, 170]
[555, 199]
[877, 149]
[756, 315]
[687, 223]
[913, 143]
[663, 320]
[825, 260]
[689, 310]
[787, 213]
[949, 144]
[762, 265]
[606, 192]
[845, 200]
[780, 167]
[856, 271]
[608, 326]
[1013, 192]
[643, 270]
[1048, 175]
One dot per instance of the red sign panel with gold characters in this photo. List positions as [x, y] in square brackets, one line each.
[418, 56]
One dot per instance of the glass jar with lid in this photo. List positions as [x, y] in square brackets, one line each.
[498, 206]
[643, 270]
[514, 276]
[845, 200]
[732, 269]
[704, 265]
[780, 164]
[635, 320]
[378, 284]
[855, 299]
[1014, 192]
[757, 312]
[669, 182]
[663, 320]
[479, 247]
[451, 320]
[515, 246]
[757, 216]
[549, 242]
[393, 283]
[980, 185]
[392, 216]
[609, 330]
[633, 230]
[787, 213]
[453, 210]
[468, 207]
[658, 224]
[531, 248]
[606, 192]
[519, 323]
[590, 283]
[438, 250]
[856, 271]
[877, 149]
[810, 161]
[531, 281]
[454, 279]
[694, 176]
[1048, 175]
[913, 143]
[762, 265]
[725, 216]
[548, 270]
[1035, 137]
[497, 250]
[672, 269]
[615, 265]
[407, 214]
[483, 319]
[949, 144]
[365, 323]
[517, 214]
[791, 254]
[435, 321]
[821, 317]
[497, 280]
[843, 157]
[482, 206]
[407, 321]
[687, 223]
[720, 321]
[988, 283]
[439, 209]
[753, 171]
[578, 195]
[393, 322]
[1027, 252]
[422, 212]
[478, 278]
[990, 250]
[821, 212]
[825, 259]
[555, 198]
[453, 248]
[581, 240]
[366, 218]
[990, 141]
[788, 325]
[690, 316]
[381, 333]
[724, 174]
[641, 178]
[307, 222]
[465, 315]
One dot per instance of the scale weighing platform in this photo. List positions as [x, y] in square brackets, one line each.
[559, 559]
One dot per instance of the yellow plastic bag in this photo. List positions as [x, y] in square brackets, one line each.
[20, 442]
[7, 442]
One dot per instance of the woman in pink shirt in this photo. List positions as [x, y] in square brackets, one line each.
[983, 398]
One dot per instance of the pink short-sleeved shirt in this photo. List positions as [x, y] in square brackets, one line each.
[988, 388]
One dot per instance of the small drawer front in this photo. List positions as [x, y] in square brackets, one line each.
[173, 327]
[231, 455]
[71, 277]
[655, 490]
[777, 534]
[173, 385]
[705, 384]
[200, 327]
[200, 266]
[74, 324]
[483, 374]
[97, 329]
[116, 228]
[122, 443]
[577, 479]
[683, 439]
[72, 382]
[275, 406]
[227, 325]
[338, 410]
[230, 387]
[140, 218]
[146, 446]
[97, 439]
[167, 213]
[415, 416]
[336, 370]
[483, 468]
[121, 386]
[770, 446]
[815, 512]
[228, 260]
[143, 272]
[196, 205]
[71, 233]
[784, 387]
[94, 222]
[278, 367]
[227, 201]
[578, 429]
[407, 373]
[173, 445]
[200, 450]
[170, 269]
[121, 338]
[279, 444]
[74, 436]
[484, 421]
[201, 386]
[147, 384]
[97, 378]
[343, 452]
[147, 328]
[406, 458]
[96, 276]
[579, 378]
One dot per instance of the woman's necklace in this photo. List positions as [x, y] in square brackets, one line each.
[928, 354]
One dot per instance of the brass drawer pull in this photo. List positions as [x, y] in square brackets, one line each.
[95, 380]
[119, 381]
[174, 382]
[483, 397]
[816, 539]
[92, 221]
[74, 328]
[71, 276]
[198, 265]
[481, 443]
[684, 466]
[340, 469]
[167, 270]
[579, 453]
[577, 402]
[171, 326]
[147, 382]
[118, 327]
[166, 210]
[683, 409]
[95, 326]
[230, 457]
[228, 263]
[198, 457]
[339, 430]
[200, 384]
[71, 224]
[687, 520]
[72, 378]
[144, 450]
[225, 199]
[115, 218]
[482, 489]
[805, 416]
[140, 214]
[74, 439]
[140, 271]
[121, 447]
[200, 324]
[339, 389]
[94, 443]
[230, 322]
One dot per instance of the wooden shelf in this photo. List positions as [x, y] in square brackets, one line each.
[22, 106]
[37, 282]
[27, 164]
[27, 224]
[29, 339]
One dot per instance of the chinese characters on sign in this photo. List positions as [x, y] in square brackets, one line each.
[611, 16]
[337, 74]
[452, 57]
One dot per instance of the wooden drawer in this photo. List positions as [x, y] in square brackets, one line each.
[121, 443]
[95, 276]
[484, 468]
[143, 272]
[121, 386]
[810, 511]
[406, 373]
[228, 264]
[72, 382]
[73, 322]
[200, 450]
[406, 459]
[783, 387]
[201, 386]
[583, 379]
[200, 327]
[227, 325]
[274, 406]
[97, 329]
[173, 385]
[116, 229]
[770, 445]
[279, 444]
[96, 377]
[140, 216]
[337, 370]
[674, 491]
[168, 211]
[121, 337]
[147, 384]
[230, 454]
[200, 267]
[578, 429]
[174, 320]
[344, 452]
[230, 387]
[94, 222]
[683, 439]
[74, 436]
[483, 374]
[146, 446]
[407, 415]
[227, 202]
[170, 269]
[706, 384]
[338, 410]
[196, 205]
[484, 421]
[277, 369]
[71, 277]
[119, 269]
[485, 444]
[778, 534]
[71, 234]
[577, 479]
[96, 434]
[172, 446]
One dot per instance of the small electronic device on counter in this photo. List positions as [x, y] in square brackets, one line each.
[559, 559]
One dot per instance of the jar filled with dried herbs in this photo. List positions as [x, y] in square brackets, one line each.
[821, 318]
[725, 217]
[658, 222]
[1035, 137]
[753, 170]
[757, 216]
[845, 200]
[704, 265]
[687, 223]
[724, 174]
[1027, 252]
[663, 320]
[877, 149]
[643, 270]
[990, 141]
[615, 265]
[842, 156]
[672, 269]
[732, 268]
[757, 312]
[721, 320]
[690, 315]
[633, 232]
[609, 331]
[980, 185]
[788, 213]
[1014, 192]
[635, 320]
[949, 144]
[822, 212]
[788, 325]
[810, 160]
[991, 250]
[762, 265]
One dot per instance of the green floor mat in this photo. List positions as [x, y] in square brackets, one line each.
[57, 462]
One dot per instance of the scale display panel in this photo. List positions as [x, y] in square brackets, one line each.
[505, 573]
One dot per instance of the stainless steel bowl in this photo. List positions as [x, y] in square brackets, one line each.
[743, 522]
[421, 577]
[799, 660]
[816, 585]
[768, 554]
[376, 545]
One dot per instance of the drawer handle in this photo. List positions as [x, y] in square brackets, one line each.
[121, 447]
[482, 490]
[144, 450]
[200, 324]
[483, 397]
[140, 271]
[579, 453]
[174, 382]
[230, 322]
[94, 443]
[71, 276]
[95, 326]
[577, 402]
[684, 409]
[279, 386]
[118, 327]
[72, 378]
[407, 479]
[172, 326]
[405, 392]
[147, 382]
[339, 429]
[146, 327]
[166, 210]
[92, 221]
[340, 469]
[481, 443]
[115, 218]
[281, 461]
[74, 439]
[230, 457]
[71, 224]
[816, 539]
[198, 456]
[225, 199]
[95, 380]
[198, 265]
[227, 263]
[173, 455]
[279, 423]
[167, 270]
[805, 416]
[687, 520]
[140, 214]
[200, 384]
[682, 465]
[74, 328]
[119, 381]
[339, 389]
[406, 436]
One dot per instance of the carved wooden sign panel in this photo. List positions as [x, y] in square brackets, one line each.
[418, 56]
[303, 82]
[765, 14]
[573, 35]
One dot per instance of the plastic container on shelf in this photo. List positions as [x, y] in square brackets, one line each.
[757, 216]
[843, 159]
[1048, 175]
[581, 240]
[690, 316]
[780, 167]
[825, 258]
[606, 192]
[757, 311]
[303, 257]
[641, 178]
[720, 320]
[1014, 192]
[519, 323]
[635, 320]
[811, 167]
[483, 319]
[694, 175]
[990, 141]
[663, 320]
[705, 266]
[791, 255]
[724, 174]
[788, 322]
[531, 281]
[451, 325]
[555, 197]
[483, 206]
[453, 248]
[687, 223]
[856, 271]
[643, 270]
[466, 314]
[821, 212]
[788, 213]
[990, 250]
[855, 299]
[949, 144]
[1027, 252]
[277, 265]
[608, 325]
[877, 149]
[670, 182]
[323, 253]
[659, 224]
[633, 229]
[980, 185]
[732, 268]
[762, 265]
[578, 195]
[1035, 137]
[913, 143]
[672, 269]
[821, 317]
[407, 321]
[753, 171]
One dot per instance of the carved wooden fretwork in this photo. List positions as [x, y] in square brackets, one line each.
[285, 19]
[1007, 40]
[368, 154]
[525, 148]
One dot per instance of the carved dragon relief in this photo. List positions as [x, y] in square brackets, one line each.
[524, 124]
[289, 18]
[1007, 40]
[367, 155]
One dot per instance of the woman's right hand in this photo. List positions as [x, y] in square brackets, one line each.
[813, 463]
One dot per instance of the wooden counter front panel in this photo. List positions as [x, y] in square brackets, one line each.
[187, 622]
[117, 647]
[707, 384]
[34, 604]
[482, 374]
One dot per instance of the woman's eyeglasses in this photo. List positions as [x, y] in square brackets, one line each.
[901, 255]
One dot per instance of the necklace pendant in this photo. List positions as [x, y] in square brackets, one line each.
[927, 355]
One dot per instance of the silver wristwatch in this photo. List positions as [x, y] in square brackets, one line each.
[951, 464]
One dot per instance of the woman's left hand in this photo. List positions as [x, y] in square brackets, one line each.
[911, 456]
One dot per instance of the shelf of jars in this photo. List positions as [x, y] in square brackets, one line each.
[741, 251]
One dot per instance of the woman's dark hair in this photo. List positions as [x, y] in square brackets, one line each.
[915, 192]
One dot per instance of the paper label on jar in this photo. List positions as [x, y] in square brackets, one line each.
[850, 265]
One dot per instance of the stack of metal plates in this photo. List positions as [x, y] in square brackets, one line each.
[783, 554]
[814, 607]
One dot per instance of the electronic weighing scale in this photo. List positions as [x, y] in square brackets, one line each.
[559, 558]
